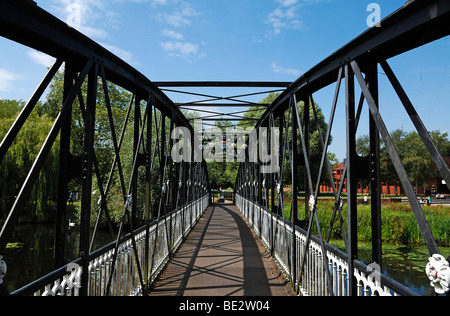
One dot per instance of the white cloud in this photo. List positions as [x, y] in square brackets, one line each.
[123, 54]
[286, 15]
[88, 16]
[172, 34]
[287, 71]
[284, 18]
[186, 50]
[84, 15]
[287, 3]
[41, 58]
[93, 32]
[6, 80]
[181, 16]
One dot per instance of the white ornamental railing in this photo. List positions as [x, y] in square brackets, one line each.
[165, 237]
[276, 234]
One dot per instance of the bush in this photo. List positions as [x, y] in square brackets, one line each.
[398, 225]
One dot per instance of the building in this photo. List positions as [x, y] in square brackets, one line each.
[436, 185]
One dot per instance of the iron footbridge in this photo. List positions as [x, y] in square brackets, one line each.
[171, 238]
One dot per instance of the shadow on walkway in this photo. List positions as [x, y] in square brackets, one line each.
[221, 258]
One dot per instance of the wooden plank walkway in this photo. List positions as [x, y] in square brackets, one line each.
[221, 258]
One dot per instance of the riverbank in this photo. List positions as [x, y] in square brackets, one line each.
[405, 264]
[398, 225]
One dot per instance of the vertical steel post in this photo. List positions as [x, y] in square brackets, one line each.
[281, 140]
[162, 159]
[259, 166]
[294, 175]
[306, 123]
[272, 185]
[89, 129]
[63, 173]
[136, 142]
[171, 187]
[352, 177]
[148, 192]
[374, 158]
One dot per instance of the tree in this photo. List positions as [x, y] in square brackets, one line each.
[413, 154]
[22, 153]
[19, 160]
[222, 173]
[315, 154]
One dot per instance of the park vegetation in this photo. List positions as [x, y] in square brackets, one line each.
[398, 225]
[41, 206]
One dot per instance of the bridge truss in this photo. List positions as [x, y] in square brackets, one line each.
[164, 220]
[414, 25]
[130, 264]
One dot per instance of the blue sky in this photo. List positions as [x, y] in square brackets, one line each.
[238, 40]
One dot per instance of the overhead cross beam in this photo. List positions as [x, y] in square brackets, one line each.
[223, 84]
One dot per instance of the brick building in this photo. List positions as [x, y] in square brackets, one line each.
[436, 185]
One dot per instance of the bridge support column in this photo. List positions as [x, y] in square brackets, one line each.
[375, 187]
[88, 158]
[148, 200]
[294, 174]
[64, 173]
[352, 178]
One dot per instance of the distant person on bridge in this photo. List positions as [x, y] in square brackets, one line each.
[71, 198]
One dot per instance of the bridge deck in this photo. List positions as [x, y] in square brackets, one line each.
[221, 258]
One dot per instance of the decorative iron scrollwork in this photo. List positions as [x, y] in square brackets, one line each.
[438, 271]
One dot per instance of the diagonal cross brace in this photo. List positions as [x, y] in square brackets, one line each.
[404, 179]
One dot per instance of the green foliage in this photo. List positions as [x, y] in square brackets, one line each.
[315, 154]
[222, 174]
[19, 160]
[413, 154]
[398, 225]
[21, 155]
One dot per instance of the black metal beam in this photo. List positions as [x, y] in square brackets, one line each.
[352, 177]
[414, 25]
[231, 105]
[403, 176]
[8, 228]
[223, 84]
[227, 119]
[24, 22]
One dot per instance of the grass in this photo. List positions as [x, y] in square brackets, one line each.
[15, 245]
[399, 225]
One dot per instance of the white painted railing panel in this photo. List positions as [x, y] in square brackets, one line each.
[276, 235]
[125, 279]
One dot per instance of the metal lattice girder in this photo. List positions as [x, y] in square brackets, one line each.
[406, 183]
[416, 24]
[87, 62]
[24, 22]
[25, 191]
[226, 84]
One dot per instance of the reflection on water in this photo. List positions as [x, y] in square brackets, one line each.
[30, 256]
[405, 264]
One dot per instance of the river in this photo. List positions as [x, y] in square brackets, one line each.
[405, 264]
[31, 257]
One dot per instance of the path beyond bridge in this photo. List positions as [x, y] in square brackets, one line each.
[220, 257]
